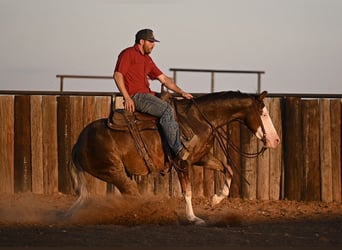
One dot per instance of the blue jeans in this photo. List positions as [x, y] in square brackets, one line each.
[155, 106]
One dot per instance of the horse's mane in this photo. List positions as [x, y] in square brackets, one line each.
[212, 97]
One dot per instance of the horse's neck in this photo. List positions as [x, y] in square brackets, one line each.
[222, 111]
[202, 115]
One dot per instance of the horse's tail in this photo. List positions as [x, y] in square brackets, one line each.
[79, 181]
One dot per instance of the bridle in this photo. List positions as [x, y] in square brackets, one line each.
[220, 135]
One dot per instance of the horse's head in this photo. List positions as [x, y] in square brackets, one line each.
[259, 121]
[220, 108]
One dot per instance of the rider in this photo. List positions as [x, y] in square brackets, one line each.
[133, 68]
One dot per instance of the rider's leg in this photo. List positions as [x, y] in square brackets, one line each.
[153, 105]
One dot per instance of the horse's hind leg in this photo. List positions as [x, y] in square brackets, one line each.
[183, 176]
[118, 177]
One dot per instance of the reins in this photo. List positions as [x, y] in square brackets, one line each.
[221, 137]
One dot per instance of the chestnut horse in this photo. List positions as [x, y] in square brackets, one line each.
[112, 155]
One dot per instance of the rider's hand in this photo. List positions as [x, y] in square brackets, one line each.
[129, 104]
[187, 95]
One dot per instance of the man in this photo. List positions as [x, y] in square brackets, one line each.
[133, 68]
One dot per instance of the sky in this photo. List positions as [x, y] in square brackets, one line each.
[298, 43]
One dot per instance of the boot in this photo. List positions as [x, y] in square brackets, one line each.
[184, 153]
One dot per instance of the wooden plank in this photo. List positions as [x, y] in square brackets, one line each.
[208, 182]
[293, 157]
[196, 177]
[263, 169]
[110, 187]
[89, 110]
[102, 110]
[22, 145]
[89, 115]
[162, 185]
[234, 134]
[7, 144]
[263, 175]
[209, 176]
[175, 188]
[219, 180]
[312, 176]
[145, 184]
[219, 151]
[37, 144]
[64, 145]
[249, 144]
[50, 148]
[276, 154]
[325, 148]
[335, 117]
[102, 107]
[76, 123]
[76, 117]
[119, 102]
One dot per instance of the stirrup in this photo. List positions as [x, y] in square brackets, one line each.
[189, 145]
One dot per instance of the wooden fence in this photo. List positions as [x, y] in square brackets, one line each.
[37, 133]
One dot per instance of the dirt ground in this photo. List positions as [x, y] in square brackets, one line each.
[32, 220]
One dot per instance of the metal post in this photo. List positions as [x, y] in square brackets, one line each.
[259, 83]
[212, 82]
[61, 83]
[174, 76]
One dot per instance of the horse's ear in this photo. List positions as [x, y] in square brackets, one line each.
[262, 95]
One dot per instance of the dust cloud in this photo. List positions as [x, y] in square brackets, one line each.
[48, 210]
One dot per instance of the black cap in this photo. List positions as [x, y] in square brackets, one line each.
[145, 34]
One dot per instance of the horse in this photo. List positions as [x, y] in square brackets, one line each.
[112, 155]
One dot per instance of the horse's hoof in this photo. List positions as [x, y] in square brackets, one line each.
[64, 215]
[198, 221]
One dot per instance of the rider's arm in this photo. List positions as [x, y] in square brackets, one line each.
[170, 84]
[120, 83]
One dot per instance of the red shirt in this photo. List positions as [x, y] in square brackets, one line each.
[136, 67]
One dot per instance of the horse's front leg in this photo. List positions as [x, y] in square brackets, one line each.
[212, 162]
[183, 176]
[217, 198]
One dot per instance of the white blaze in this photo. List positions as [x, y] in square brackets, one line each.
[272, 138]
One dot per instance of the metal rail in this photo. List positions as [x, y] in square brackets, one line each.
[213, 71]
[61, 77]
[175, 70]
[74, 93]
[92, 93]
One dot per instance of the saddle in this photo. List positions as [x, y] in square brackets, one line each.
[121, 120]
[134, 123]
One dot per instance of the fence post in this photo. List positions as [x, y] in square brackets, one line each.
[293, 148]
[61, 85]
[7, 144]
[212, 88]
[259, 83]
